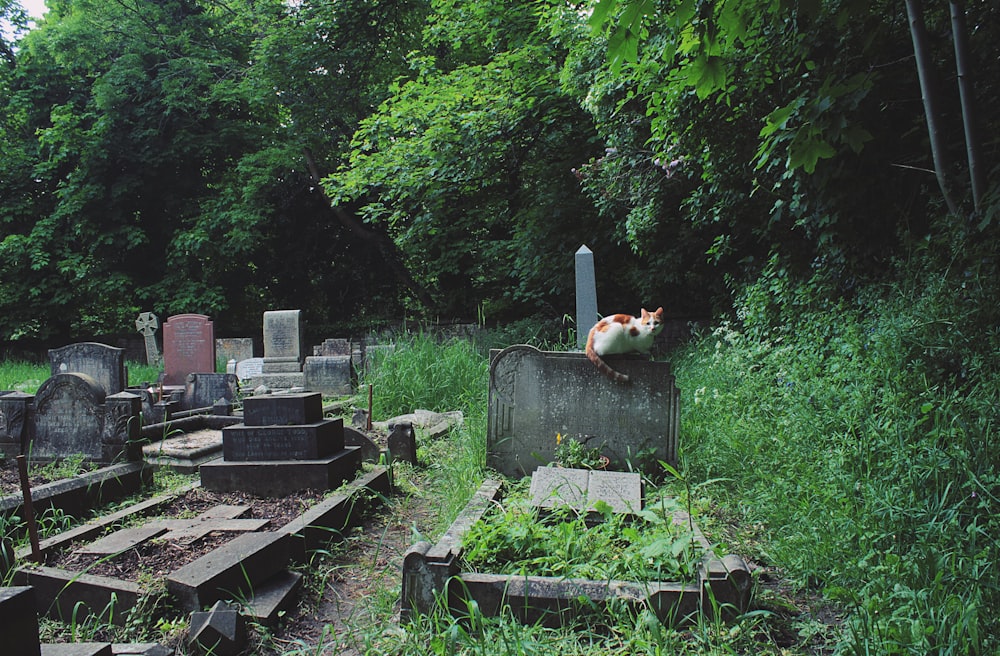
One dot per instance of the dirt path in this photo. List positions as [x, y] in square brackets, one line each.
[358, 586]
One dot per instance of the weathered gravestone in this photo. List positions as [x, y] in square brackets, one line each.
[250, 368]
[188, 347]
[234, 348]
[328, 374]
[282, 368]
[147, 323]
[73, 415]
[202, 390]
[333, 346]
[105, 364]
[282, 341]
[535, 395]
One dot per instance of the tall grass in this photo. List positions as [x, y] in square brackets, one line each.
[863, 437]
[27, 377]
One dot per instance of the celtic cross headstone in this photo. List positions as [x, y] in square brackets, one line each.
[146, 324]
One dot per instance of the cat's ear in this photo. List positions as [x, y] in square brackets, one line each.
[659, 312]
[643, 313]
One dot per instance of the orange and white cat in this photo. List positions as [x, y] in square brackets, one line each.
[622, 333]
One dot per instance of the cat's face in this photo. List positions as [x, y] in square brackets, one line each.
[652, 321]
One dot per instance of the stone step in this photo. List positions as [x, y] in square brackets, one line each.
[233, 571]
[18, 620]
[271, 478]
[279, 593]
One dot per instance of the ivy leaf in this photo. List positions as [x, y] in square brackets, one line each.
[707, 74]
[806, 152]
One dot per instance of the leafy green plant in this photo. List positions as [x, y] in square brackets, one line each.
[517, 537]
[576, 455]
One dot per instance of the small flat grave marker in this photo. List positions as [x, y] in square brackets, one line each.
[217, 518]
[552, 487]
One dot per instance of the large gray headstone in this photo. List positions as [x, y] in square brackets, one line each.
[103, 363]
[188, 347]
[586, 295]
[282, 336]
[535, 395]
[69, 418]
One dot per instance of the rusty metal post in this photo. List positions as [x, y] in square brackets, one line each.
[29, 510]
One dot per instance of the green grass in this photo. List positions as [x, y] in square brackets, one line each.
[27, 377]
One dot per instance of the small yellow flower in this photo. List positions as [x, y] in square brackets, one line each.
[558, 439]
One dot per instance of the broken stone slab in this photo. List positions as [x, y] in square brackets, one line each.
[582, 489]
[220, 631]
[433, 424]
[231, 571]
[370, 451]
[19, 620]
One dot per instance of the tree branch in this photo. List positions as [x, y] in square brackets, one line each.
[380, 241]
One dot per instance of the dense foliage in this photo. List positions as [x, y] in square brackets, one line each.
[371, 159]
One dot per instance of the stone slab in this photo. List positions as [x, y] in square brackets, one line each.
[250, 368]
[185, 453]
[203, 390]
[283, 409]
[140, 649]
[581, 489]
[279, 477]
[120, 541]
[188, 347]
[535, 395]
[231, 571]
[279, 381]
[77, 649]
[19, 621]
[243, 443]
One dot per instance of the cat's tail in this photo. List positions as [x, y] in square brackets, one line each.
[601, 365]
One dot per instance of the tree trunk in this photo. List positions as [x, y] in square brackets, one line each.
[959, 34]
[928, 91]
[382, 242]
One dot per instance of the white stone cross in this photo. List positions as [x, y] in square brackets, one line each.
[147, 323]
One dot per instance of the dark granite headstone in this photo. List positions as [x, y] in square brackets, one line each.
[328, 374]
[283, 409]
[103, 363]
[402, 443]
[202, 390]
[300, 442]
[122, 423]
[188, 347]
[19, 621]
[535, 395]
[69, 418]
[14, 424]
